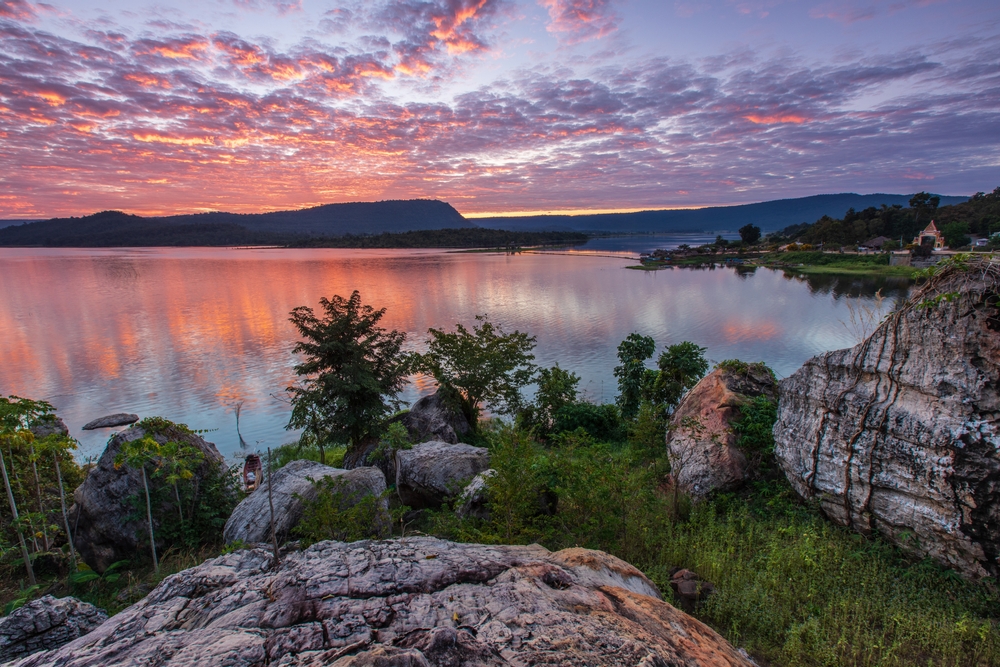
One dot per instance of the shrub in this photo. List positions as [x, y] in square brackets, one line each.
[340, 514]
[603, 422]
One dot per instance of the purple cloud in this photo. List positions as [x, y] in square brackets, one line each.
[580, 20]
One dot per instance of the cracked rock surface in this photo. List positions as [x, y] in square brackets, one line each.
[898, 435]
[410, 602]
[45, 624]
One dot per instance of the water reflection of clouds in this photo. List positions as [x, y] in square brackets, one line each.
[187, 333]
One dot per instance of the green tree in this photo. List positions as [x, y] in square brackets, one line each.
[556, 388]
[749, 233]
[177, 462]
[484, 366]
[137, 454]
[351, 373]
[956, 234]
[633, 376]
[923, 201]
[680, 368]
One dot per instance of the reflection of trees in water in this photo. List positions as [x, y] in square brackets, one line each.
[118, 271]
[891, 287]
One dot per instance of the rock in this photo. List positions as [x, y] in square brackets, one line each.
[408, 602]
[701, 444]
[46, 624]
[689, 589]
[103, 533]
[434, 418]
[118, 419]
[52, 425]
[472, 502]
[430, 418]
[433, 472]
[251, 520]
[898, 435]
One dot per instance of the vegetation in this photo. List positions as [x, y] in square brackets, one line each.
[790, 587]
[468, 237]
[484, 366]
[351, 373]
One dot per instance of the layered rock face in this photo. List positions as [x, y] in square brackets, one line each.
[103, 533]
[433, 472]
[701, 444]
[291, 487]
[898, 435]
[420, 602]
[46, 624]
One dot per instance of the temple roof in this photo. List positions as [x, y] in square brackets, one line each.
[931, 228]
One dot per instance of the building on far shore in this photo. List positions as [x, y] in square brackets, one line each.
[930, 237]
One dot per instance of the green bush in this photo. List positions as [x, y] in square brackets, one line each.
[602, 422]
[299, 451]
[340, 514]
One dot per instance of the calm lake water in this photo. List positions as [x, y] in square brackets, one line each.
[187, 333]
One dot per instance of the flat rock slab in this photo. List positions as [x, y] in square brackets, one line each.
[109, 421]
[409, 602]
[46, 624]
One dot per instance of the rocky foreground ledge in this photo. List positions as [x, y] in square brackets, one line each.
[411, 602]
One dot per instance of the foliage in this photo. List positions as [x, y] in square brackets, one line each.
[337, 513]
[475, 237]
[514, 489]
[633, 376]
[351, 372]
[303, 450]
[484, 366]
[749, 234]
[603, 422]
[84, 575]
[556, 388]
[395, 438]
[680, 368]
[956, 234]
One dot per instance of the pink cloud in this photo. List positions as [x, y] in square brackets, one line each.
[19, 10]
[581, 20]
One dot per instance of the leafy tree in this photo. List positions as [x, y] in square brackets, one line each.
[177, 462]
[680, 368]
[956, 234]
[137, 454]
[484, 366]
[556, 388]
[923, 201]
[352, 371]
[749, 233]
[632, 373]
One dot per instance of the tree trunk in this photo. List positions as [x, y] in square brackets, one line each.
[62, 499]
[149, 517]
[38, 495]
[13, 511]
[180, 511]
[10, 451]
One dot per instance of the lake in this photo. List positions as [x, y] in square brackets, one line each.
[186, 333]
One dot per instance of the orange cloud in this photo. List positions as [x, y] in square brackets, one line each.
[180, 141]
[758, 119]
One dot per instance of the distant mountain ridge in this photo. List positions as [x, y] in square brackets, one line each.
[769, 215]
[116, 229]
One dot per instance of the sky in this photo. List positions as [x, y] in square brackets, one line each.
[495, 106]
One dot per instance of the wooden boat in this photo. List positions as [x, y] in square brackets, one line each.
[253, 473]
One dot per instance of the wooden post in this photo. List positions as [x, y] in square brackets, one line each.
[270, 502]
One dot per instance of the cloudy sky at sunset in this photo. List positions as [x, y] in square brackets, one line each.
[491, 105]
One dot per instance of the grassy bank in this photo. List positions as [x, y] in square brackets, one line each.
[806, 262]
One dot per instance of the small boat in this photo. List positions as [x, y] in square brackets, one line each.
[253, 473]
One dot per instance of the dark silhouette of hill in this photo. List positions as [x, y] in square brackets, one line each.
[115, 228]
[769, 215]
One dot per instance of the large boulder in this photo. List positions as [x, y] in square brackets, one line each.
[433, 417]
[434, 472]
[701, 444]
[49, 425]
[414, 601]
[291, 487]
[46, 624]
[898, 435]
[103, 533]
